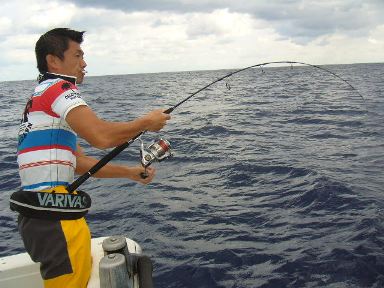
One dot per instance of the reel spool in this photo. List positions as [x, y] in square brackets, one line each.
[157, 151]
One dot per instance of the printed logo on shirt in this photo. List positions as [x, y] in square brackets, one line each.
[66, 86]
[25, 125]
[73, 95]
[23, 131]
[26, 110]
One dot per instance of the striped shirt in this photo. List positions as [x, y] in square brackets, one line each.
[47, 145]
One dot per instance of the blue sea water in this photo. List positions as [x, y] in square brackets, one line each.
[277, 182]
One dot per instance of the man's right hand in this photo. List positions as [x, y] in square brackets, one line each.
[156, 120]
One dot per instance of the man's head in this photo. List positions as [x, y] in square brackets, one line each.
[58, 51]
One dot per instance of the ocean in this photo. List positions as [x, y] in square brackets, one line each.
[275, 182]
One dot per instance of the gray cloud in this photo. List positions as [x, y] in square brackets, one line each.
[181, 6]
[300, 21]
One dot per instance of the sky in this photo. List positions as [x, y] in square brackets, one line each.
[146, 36]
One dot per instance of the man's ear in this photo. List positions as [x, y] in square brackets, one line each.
[53, 62]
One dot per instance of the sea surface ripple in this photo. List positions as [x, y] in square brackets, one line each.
[277, 182]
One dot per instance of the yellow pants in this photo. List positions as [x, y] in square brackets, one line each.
[78, 240]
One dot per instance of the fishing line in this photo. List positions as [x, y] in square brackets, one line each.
[261, 66]
[160, 150]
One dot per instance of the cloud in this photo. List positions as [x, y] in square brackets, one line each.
[301, 21]
[21, 23]
[156, 36]
[179, 6]
[312, 19]
[220, 23]
[5, 25]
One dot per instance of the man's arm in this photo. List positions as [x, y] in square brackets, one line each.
[84, 163]
[104, 134]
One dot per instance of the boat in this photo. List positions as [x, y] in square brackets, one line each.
[117, 262]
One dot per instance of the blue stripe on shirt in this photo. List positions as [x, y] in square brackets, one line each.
[47, 138]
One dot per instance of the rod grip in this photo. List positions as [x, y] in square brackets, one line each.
[169, 110]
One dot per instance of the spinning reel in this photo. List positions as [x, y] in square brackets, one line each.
[157, 151]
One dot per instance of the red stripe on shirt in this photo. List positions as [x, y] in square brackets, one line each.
[46, 147]
[44, 163]
[44, 102]
[38, 106]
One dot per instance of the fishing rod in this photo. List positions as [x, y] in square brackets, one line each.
[161, 149]
[261, 65]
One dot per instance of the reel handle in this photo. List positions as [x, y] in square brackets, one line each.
[144, 175]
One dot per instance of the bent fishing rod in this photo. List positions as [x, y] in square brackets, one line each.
[160, 150]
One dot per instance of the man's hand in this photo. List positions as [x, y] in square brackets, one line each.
[137, 170]
[84, 163]
[156, 120]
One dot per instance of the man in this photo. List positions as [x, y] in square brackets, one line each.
[49, 156]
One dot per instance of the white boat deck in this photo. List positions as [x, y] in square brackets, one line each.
[20, 271]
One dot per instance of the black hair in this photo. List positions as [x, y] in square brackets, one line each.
[55, 42]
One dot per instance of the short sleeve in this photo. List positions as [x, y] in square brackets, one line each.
[67, 100]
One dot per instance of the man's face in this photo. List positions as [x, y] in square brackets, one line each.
[73, 63]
